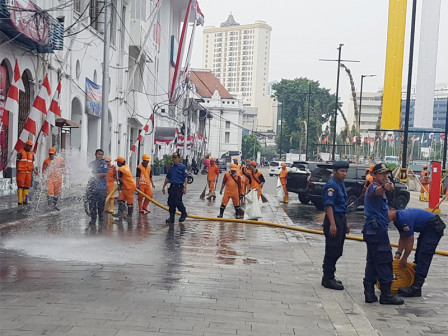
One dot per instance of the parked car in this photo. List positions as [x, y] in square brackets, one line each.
[298, 176]
[354, 184]
[276, 166]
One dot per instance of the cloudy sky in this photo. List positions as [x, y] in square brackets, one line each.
[304, 31]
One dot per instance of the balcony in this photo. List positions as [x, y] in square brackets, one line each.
[137, 32]
[31, 27]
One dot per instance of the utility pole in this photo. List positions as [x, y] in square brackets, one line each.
[337, 96]
[446, 135]
[106, 86]
[403, 174]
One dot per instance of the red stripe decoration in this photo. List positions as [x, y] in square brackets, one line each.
[133, 148]
[12, 102]
[55, 109]
[146, 128]
[39, 107]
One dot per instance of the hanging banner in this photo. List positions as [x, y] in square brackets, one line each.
[94, 96]
[427, 62]
[391, 112]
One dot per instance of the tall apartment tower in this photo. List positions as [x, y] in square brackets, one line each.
[238, 55]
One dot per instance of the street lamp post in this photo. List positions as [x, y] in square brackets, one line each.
[281, 130]
[337, 96]
[308, 122]
[446, 135]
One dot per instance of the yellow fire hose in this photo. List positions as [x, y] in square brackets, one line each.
[248, 221]
[404, 277]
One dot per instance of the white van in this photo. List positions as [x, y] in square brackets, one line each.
[276, 166]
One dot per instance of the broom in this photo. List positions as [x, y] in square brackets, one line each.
[203, 192]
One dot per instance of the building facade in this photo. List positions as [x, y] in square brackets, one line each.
[239, 55]
[223, 115]
[144, 42]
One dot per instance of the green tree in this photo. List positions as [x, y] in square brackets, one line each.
[294, 97]
[250, 146]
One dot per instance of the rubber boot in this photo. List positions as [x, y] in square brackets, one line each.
[415, 290]
[111, 205]
[130, 211]
[140, 206]
[121, 213]
[238, 212]
[20, 196]
[170, 220]
[369, 292]
[182, 217]
[50, 202]
[387, 297]
[221, 211]
[25, 196]
[422, 197]
[209, 195]
[145, 206]
[287, 198]
[55, 203]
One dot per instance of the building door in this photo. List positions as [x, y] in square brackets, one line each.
[24, 102]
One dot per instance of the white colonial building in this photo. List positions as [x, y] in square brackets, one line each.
[67, 44]
[223, 116]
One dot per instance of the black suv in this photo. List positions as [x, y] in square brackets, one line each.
[298, 176]
[354, 183]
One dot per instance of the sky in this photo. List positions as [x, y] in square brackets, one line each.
[304, 31]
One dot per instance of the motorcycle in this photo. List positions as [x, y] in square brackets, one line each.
[195, 169]
[190, 178]
[204, 170]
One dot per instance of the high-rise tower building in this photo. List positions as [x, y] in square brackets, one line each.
[238, 55]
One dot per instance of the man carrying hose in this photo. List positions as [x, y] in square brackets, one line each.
[177, 178]
[232, 183]
[97, 187]
[256, 178]
[375, 233]
[127, 186]
[144, 183]
[431, 229]
[112, 176]
[25, 169]
[335, 223]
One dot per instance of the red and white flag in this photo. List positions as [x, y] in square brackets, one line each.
[12, 101]
[55, 110]
[143, 132]
[34, 118]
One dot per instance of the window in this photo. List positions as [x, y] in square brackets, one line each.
[227, 136]
[77, 6]
[96, 14]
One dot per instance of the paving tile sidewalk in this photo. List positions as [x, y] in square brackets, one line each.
[212, 279]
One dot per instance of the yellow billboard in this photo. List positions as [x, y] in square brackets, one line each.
[391, 111]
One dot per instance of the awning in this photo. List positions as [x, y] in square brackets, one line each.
[164, 134]
[61, 122]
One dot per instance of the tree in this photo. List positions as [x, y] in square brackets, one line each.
[250, 147]
[294, 97]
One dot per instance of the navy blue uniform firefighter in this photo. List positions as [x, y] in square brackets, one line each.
[431, 229]
[375, 232]
[177, 177]
[335, 223]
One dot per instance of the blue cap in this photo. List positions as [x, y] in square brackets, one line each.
[340, 165]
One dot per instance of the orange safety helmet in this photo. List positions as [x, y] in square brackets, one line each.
[146, 157]
[120, 159]
[212, 160]
[107, 159]
[52, 150]
[233, 166]
[425, 166]
[253, 163]
[29, 142]
[283, 165]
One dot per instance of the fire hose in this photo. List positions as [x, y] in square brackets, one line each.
[404, 277]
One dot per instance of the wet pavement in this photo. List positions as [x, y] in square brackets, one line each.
[141, 277]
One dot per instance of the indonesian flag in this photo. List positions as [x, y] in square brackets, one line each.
[55, 110]
[12, 101]
[142, 133]
[325, 140]
[39, 107]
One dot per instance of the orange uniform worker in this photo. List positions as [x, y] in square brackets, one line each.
[283, 179]
[25, 168]
[128, 186]
[212, 178]
[53, 168]
[256, 179]
[369, 177]
[232, 184]
[144, 183]
[112, 176]
[424, 180]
